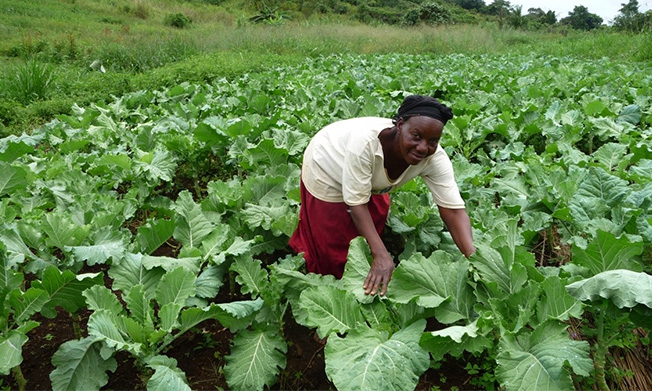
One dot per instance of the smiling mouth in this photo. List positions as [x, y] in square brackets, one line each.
[418, 156]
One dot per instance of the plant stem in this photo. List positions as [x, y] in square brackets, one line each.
[76, 325]
[600, 353]
[19, 378]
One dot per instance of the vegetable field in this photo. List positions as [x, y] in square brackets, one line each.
[165, 215]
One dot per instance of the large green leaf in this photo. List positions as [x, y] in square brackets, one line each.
[213, 244]
[175, 287]
[295, 282]
[598, 192]
[61, 231]
[606, 252]
[156, 165]
[191, 224]
[9, 278]
[99, 297]
[11, 178]
[12, 147]
[209, 281]
[130, 271]
[140, 307]
[356, 270]
[99, 252]
[330, 309]
[625, 288]
[65, 289]
[264, 154]
[256, 358]
[611, 156]
[367, 359]
[264, 190]
[11, 350]
[454, 340]
[536, 360]
[556, 303]
[26, 304]
[437, 281]
[234, 315]
[154, 234]
[250, 275]
[190, 263]
[513, 311]
[499, 274]
[111, 329]
[13, 241]
[167, 376]
[81, 365]
[269, 217]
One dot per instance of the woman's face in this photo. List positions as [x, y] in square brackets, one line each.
[419, 137]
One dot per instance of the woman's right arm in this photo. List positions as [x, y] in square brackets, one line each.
[382, 266]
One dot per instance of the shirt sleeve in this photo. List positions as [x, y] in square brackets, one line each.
[440, 179]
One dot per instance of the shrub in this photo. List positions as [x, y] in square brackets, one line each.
[367, 14]
[431, 13]
[8, 111]
[177, 20]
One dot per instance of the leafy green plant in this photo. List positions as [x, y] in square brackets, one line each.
[138, 328]
[267, 15]
[21, 304]
[623, 302]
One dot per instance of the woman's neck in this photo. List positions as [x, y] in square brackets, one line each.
[394, 163]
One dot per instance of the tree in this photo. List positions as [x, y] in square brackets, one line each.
[581, 19]
[516, 18]
[630, 19]
[471, 4]
[537, 15]
[500, 8]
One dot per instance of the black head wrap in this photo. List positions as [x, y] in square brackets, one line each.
[414, 105]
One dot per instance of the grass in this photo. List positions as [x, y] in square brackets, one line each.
[139, 51]
[29, 82]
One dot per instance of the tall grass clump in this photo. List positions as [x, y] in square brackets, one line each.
[144, 56]
[644, 52]
[29, 82]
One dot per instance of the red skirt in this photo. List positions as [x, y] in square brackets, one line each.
[326, 229]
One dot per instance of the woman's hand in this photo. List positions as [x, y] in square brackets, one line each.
[382, 266]
[381, 272]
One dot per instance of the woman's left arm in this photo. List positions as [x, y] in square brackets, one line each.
[459, 225]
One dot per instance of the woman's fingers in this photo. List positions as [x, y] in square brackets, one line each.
[373, 282]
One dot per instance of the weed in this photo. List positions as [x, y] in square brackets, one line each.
[30, 81]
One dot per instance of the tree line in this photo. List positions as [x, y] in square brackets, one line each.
[414, 12]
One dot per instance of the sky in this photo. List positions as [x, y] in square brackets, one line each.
[606, 9]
